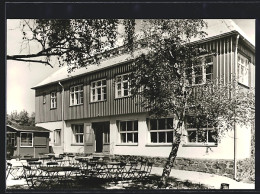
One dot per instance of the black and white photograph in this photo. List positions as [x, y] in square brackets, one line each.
[130, 104]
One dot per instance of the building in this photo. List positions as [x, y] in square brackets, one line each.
[27, 140]
[91, 110]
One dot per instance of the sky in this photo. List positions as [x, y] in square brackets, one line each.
[21, 76]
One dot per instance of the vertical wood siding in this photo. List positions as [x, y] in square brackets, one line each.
[223, 67]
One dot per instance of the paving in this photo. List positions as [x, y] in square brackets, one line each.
[211, 180]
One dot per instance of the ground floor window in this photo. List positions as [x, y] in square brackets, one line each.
[128, 131]
[78, 133]
[161, 130]
[11, 139]
[57, 137]
[26, 139]
[206, 134]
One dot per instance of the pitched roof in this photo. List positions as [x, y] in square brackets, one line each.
[216, 28]
[26, 128]
[62, 73]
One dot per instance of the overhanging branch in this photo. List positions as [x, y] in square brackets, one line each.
[33, 61]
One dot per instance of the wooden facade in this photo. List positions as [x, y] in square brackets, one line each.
[224, 53]
[40, 142]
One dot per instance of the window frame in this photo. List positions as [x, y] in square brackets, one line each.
[157, 131]
[204, 65]
[53, 100]
[243, 79]
[55, 137]
[26, 146]
[202, 143]
[122, 81]
[13, 138]
[80, 94]
[76, 136]
[126, 132]
[95, 89]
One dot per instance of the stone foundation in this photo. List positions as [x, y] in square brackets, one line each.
[219, 167]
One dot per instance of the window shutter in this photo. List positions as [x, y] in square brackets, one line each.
[89, 138]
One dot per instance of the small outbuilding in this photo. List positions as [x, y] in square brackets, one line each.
[26, 140]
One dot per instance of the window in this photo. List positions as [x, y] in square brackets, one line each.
[106, 136]
[161, 130]
[202, 72]
[78, 134]
[98, 90]
[26, 139]
[242, 69]
[57, 137]
[128, 131]
[53, 100]
[205, 135]
[44, 99]
[11, 139]
[76, 95]
[122, 85]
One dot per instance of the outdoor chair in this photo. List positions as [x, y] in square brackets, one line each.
[8, 169]
[136, 170]
[101, 169]
[34, 177]
[15, 171]
[117, 172]
[146, 170]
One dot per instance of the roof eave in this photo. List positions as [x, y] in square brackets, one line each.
[66, 79]
[252, 47]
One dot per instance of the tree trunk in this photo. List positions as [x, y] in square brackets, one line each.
[169, 163]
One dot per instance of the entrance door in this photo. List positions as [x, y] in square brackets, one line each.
[102, 136]
[99, 140]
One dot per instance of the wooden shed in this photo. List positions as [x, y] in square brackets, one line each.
[27, 140]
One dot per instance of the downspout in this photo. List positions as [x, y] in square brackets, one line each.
[235, 132]
[62, 116]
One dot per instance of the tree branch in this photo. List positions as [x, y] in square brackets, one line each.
[34, 61]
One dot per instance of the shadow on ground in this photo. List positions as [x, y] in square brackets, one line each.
[101, 184]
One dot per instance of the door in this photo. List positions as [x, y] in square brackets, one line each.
[99, 140]
[102, 136]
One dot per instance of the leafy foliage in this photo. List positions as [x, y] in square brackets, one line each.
[73, 42]
[21, 118]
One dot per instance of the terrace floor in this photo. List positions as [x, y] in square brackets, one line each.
[210, 180]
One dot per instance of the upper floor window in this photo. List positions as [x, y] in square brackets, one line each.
[242, 69]
[123, 85]
[26, 139]
[205, 135]
[161, 130]
[53, 100]
[78, 134]
[76, 95]
[98, 90]
[128, 131]
[202, 72]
